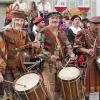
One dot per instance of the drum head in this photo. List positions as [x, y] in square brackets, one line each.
[69, 73]
[98, 60]
[29, 80]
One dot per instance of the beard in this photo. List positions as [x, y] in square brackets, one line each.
[18, 26]
[55, 24]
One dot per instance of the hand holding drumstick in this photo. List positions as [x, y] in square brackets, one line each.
[2, 80]
[14, 83]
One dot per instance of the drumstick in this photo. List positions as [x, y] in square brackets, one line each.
[67, 62]
[26, 45]
[14, 83]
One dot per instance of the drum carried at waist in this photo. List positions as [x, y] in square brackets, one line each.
[31, 87]
[35, 63]
[71, 84]
[98, 62]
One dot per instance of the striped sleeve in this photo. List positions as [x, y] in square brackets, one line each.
[4, 53]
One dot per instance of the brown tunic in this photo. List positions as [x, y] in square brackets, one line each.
[14, 39]
[50, 42]
[85, 39]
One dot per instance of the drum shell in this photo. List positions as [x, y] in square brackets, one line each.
[72, 89]
[35, 93]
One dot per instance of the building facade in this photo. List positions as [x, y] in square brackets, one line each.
[70, 4]
[93, 4]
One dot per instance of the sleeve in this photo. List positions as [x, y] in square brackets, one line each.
[66, 45]
[2, 65]
[3, 55]
[28, 40]
[71, 36]
[64, 40]
[79, 40]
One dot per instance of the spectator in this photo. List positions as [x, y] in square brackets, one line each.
[44, 8]
[32, 14]
[20, 5]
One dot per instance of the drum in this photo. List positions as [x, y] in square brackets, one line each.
[71, 83]
[35, 65]
[30, 87]
[98, 63]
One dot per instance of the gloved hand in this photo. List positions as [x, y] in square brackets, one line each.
[1, 77]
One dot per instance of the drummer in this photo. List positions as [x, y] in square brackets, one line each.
[38, 25]
[13, 41]
[88, 42]
[55, 45]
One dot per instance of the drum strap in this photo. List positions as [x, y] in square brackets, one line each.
[94, 45]
[57, 40]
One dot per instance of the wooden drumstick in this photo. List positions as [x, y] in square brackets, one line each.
[23, 46]
[68, 62]
[14, 83]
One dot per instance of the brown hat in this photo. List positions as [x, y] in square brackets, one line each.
[95, 19]
[54, 14]
[19, 14]
[75, 16]
[75, 11]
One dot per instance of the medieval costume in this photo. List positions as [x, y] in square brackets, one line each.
[88, 42]
[11, 47]
[74, 28]
[38, 24]
[56, 46]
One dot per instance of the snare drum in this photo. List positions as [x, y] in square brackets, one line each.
[70, 83]
[30, 87]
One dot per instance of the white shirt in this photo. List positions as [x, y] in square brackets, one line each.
[36, 33]
[46, 7]
[75, 29]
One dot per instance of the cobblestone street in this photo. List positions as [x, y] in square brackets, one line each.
[93, 96]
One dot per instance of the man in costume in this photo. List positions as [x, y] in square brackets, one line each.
[88, 42]
[74, 28]
[36, 36]
[38, 25]
[13, 42]
[56, 45]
